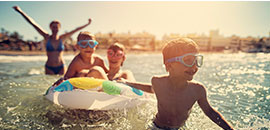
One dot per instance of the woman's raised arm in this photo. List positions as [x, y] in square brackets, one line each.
[68, 34]
[31, 21]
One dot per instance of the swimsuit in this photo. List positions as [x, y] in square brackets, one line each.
[50, 48]
[162, 128]
[154, 126]
[56, 69]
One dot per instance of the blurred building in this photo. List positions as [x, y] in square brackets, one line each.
[137, 41]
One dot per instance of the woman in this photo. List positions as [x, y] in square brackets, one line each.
[54, 43]
[116, 57]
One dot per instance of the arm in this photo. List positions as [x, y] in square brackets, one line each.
[71, 71]
[214, 115]
[69, 74]
[128, 75]
[32, 22]
[104, 66]
[66, 35]
[142, 86]
[101, 63]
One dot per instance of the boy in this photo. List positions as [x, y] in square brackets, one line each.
[176, 93]
[85, 63]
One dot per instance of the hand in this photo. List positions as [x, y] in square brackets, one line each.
[121, 80]
[17, 8]
[59, 81]
[89, 21]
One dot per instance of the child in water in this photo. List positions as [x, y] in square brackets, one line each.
[116, 57]
[86, 62]
[176, 93]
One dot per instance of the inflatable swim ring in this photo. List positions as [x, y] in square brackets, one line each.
[108, 87]
[115, 95]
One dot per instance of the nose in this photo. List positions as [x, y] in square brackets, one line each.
[89, 48]
[194, 68]
[114, 57]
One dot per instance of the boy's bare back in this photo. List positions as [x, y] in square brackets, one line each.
[174, 102]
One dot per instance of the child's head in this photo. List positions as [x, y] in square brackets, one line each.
[181, 59]
[86, 43]
[116, 54]
[178, 47]
[85, 36]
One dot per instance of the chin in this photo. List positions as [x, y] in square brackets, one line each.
[113, 65]
[189, 78]
[88, 54]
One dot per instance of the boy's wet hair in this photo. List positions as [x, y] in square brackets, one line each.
[85, 35]
[117, 46]
[175, 47]
[55, 22]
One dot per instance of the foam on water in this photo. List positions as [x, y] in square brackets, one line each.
[37, 58]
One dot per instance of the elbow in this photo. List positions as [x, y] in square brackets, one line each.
[151, 90]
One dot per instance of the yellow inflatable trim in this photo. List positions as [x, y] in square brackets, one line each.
[86, 82]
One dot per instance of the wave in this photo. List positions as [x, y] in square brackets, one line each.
[9, 59]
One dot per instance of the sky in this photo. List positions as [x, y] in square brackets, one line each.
[250, 18]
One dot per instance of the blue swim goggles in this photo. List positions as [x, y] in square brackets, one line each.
[188, 59]
[85, 43]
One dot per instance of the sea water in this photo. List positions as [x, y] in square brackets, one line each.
[237, 86]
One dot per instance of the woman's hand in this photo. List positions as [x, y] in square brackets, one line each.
[17, 8]
[89, 21]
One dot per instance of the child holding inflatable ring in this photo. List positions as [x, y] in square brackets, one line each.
[175, 92]
[116, 58]
[86, 62]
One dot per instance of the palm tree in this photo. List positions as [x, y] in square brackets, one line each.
[3, 30]
[16, 36]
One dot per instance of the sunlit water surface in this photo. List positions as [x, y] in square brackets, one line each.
[237, 85]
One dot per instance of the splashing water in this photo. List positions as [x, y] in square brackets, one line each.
[237, 86]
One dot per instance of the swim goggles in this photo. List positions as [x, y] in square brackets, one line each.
[85, 43]
[118, 54]
[188, 59]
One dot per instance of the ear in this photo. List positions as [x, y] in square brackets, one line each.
[95, 48]
[124, 58]
[77, 47]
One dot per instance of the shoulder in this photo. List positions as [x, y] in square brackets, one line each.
[64, 36]
[198, 87]
[157, 79]
[98, 57]
[126, 72]
[75, 60]
[46, 37]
